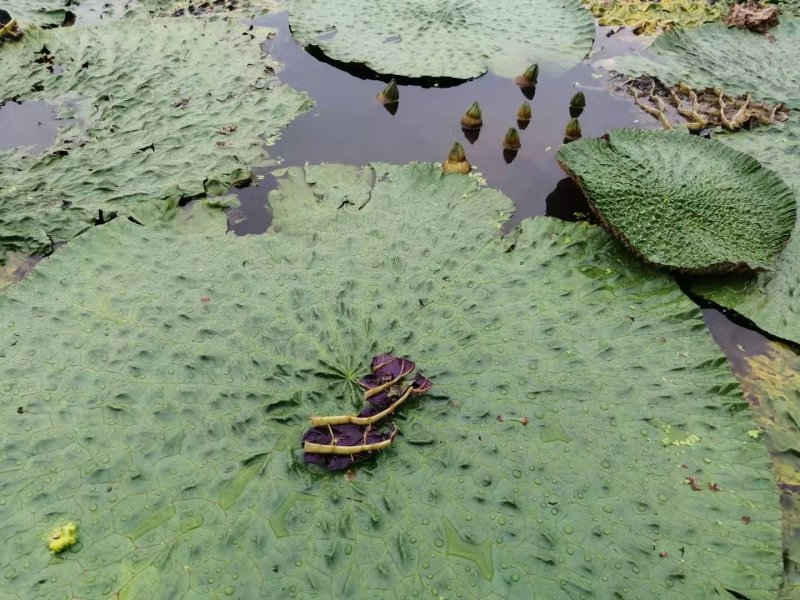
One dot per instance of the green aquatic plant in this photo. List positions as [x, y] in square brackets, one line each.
[684, 202]
[524, 112]
[157, 381]
[573, 130]
[735, 60]
[767, 299]
[576, 105]
[529, 78]
[770, 381]
[390, 94]
[456, 161]
[435, 39]
[511, 139]
[37, 12]
[472, 119]
[648, 17]
[153, 111]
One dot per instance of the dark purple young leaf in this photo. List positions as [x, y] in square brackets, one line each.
[315, 459]
[396, 368]
[380, 360]
[317, 435]
[421, 384]
[373, 380]
[337, 462]
[370, 410]
[383, 399]
[346, 435]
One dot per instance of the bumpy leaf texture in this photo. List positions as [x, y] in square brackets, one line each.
[684, 202]
[771, 382]
[36, 12]
[436, 38]
[165, 109]
[770, 298]
[651, 16]
[157, 399]
[737, 60]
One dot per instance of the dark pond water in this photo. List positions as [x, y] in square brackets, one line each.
[31, 126]
[348, 125]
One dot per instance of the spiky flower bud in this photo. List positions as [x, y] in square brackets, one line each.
[576, 105]
[390, 93]
[511, 141]
[525, 111]
[529, 78]
[472, 118]
[573, 131]
[456, 161]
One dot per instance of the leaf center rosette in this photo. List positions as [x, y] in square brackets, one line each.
[337, 442]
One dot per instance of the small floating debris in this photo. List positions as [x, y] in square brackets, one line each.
[456, 161]
[576, 105]
[573, 131]
[472, 118]
[511, 141]
[62, 538]
[529, 78]
[390, 94]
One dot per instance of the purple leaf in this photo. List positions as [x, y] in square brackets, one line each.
[373, 380]
[396, 368]
[338, 462]
[383, 399]
[370, 410]
[421, 384]
[343, 435]
[380, 360]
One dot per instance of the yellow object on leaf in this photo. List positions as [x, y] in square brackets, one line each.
[63, 537]
[649, 17]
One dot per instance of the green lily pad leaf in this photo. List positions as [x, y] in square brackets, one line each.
[157, 385]
[737, 60]
[771, 383]
[460, 40]
[769, 298]
[36, 12]
[652, 16]
[192, 7]
[683, 202]
[159, 109]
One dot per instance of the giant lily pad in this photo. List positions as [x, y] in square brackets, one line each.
[436, 38]
[165, 109]
[770, 298]
[156, 385]
[737, 60]
[684, 202]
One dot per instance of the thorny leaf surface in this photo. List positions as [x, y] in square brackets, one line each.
[156, 400]
[768, 299]
[737, 60]
[682, 201]
[166, 109]
[436, 38]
